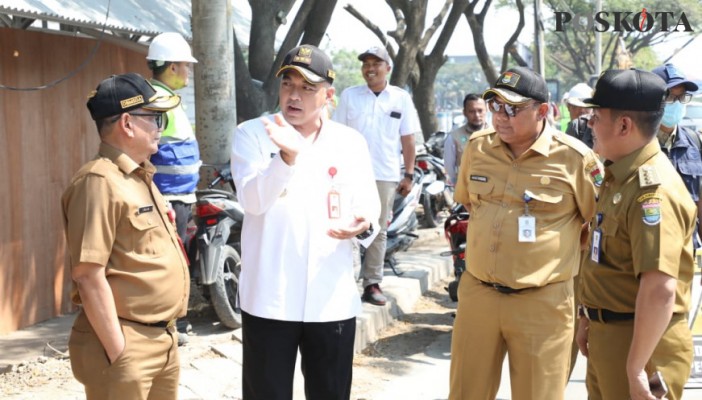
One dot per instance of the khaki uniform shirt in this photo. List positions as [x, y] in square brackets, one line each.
[646, 218]
[561, 176]
[115, 216]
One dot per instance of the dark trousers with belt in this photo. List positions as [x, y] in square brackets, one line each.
[270, 351]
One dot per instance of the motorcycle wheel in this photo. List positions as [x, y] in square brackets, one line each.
[224, 291]
[431, 217]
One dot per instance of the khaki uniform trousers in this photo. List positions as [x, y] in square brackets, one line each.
[148, 369]
[608, 345]
[534, 326]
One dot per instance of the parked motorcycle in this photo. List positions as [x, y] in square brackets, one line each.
[455, 228]
[436, 195]
[214, 249]
[403, 222]
[435, 144]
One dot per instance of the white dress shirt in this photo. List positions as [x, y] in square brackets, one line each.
[382, 120]
[292, 270]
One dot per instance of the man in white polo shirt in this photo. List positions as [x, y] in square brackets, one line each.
[387, 118]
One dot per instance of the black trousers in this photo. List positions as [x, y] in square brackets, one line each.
[270, 350]
[183, 213]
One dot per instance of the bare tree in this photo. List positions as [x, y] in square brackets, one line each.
[476, 20]
[573, 50]
[256, 85]
[411, 66]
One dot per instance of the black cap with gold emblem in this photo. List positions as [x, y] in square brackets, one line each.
[314, 65]
[122, 93]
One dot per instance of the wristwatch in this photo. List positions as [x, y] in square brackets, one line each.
[409, 176]
[365, 234]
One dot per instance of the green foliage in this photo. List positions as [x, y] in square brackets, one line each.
[348, 69]
[457, 79]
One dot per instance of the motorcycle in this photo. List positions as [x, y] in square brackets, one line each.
[435, 144]
[436, 195]
[213, 250]
[403, 221]
[455, 228]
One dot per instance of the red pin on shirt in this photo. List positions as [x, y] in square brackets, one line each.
[332, 171]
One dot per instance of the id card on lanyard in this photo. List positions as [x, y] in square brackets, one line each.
[596, 243]
[333, 198]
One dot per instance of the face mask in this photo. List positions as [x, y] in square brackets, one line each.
[673, 114]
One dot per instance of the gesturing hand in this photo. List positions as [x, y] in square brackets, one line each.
[283, 135]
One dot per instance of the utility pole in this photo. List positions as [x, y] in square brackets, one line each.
[598, 43]
[539, 40]
[215, 95]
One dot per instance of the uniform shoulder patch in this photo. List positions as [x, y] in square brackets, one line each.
[650, 208]
[648, 176]
[593, 169]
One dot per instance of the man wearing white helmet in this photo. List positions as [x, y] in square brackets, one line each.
[579, 115]
[178, 158]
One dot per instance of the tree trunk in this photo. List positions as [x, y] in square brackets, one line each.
[477, 23]
[266, 18]
[215, 111]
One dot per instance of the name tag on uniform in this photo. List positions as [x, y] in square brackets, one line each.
[596, 245]
[145, 209]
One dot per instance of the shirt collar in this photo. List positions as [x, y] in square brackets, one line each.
[123, 161]
[542, 145]
[628, 165]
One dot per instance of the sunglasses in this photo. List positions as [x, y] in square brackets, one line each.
[510, 110]
[683, 98]
[159, 117]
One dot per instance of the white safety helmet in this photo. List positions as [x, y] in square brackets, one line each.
[577, 94]
[170, 46]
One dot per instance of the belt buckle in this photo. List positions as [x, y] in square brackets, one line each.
[171, 323]
[586, 312]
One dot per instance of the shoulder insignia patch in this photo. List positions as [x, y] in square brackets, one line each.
[651, 209]
[594, 170]
[647, 196]
[648, 176]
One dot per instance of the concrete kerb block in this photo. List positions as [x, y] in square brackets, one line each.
[420, 270]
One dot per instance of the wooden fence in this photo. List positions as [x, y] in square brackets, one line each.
[45, 136]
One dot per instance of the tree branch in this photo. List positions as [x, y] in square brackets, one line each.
[372, 27]
[515, 35]
[436, 23]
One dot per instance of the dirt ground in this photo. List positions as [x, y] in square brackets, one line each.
[50, 377]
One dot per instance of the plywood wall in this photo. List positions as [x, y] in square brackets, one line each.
[45, 136]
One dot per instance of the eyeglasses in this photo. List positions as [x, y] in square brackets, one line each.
[510, 110]
[159, 117]
[683, 98]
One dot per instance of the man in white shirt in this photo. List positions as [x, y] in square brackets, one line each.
[387, 118]
[306, 185]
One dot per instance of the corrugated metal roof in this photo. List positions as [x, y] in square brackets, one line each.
[141, 17]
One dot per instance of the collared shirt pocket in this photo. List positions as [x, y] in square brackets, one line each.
[145, 234]
[609, 229]
[478, 191]
[544, 198]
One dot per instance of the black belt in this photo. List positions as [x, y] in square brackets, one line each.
[159, 324]
[604, 315]
[502, 288]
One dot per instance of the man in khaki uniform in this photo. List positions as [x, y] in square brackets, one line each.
[529, 189]
[474, 110]
[130, 273]
[635, 284]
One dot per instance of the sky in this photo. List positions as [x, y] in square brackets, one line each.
[345, 31]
